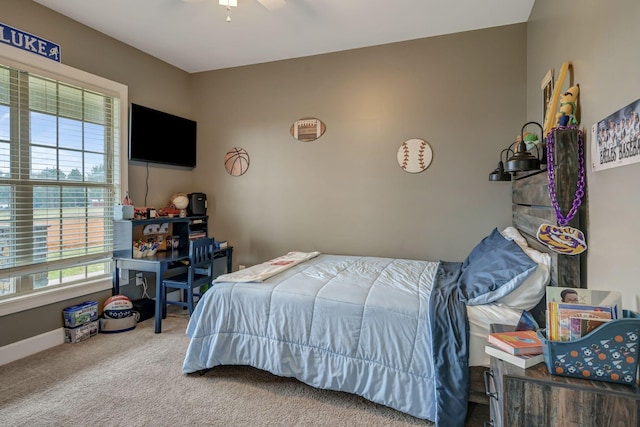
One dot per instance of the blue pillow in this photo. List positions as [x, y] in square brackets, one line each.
[495, 267]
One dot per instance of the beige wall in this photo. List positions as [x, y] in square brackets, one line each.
[601, 39]
[345, 193]
[151, 82]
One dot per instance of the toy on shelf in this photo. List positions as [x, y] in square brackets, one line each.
[566, 116]
[530, 140]
[141, 249]
[178, 203]
[127, 201]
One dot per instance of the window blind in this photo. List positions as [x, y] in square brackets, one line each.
[59, 165]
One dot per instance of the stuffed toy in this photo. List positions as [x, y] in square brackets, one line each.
[530, 140]
[178, 203]
[568, 107]
[179, 200]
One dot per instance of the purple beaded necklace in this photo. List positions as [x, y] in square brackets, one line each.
[564, 220]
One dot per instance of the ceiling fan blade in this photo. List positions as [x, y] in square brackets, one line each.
[273, 4]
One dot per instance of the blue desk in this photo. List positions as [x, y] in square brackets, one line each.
[158, 264]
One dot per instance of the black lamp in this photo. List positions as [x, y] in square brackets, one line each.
[522, 160]
[499, 174]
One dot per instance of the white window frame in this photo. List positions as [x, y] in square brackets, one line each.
[30, 62]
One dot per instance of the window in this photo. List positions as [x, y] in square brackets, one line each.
[60, 173]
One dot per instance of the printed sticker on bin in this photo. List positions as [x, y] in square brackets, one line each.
[613, 359]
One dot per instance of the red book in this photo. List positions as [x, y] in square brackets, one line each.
[516, 342]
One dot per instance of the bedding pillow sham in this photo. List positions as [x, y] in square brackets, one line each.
[494, 268]
[530, 292]
[512, 233]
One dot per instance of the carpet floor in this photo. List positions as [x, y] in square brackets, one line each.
[134, 379]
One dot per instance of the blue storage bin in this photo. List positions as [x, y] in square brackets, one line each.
[609, 353]
[78, 315]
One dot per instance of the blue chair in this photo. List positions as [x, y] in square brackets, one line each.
[199, 273]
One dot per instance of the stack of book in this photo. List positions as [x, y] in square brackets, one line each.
[573, 312]
[520, 348]
[198, 234]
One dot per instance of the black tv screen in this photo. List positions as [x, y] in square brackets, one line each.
[158, 137]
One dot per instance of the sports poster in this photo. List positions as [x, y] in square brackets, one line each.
[615, 140]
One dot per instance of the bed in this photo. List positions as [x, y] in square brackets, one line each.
[408, 334]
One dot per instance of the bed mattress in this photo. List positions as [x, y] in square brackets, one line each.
[357, 324]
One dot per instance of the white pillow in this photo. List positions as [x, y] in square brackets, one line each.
[530, 292]
[512, 233]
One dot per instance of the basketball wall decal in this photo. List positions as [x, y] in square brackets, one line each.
[307, 129]
[236, 162]
[414, 155]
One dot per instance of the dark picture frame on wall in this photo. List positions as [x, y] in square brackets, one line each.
[547, 92]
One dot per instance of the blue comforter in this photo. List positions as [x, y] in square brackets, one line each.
[390, 330]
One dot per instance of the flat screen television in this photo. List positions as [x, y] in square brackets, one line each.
[158, 137]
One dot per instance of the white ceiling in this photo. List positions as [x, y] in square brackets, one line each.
[194, 36]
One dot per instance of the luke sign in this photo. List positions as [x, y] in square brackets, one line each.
[29, 42]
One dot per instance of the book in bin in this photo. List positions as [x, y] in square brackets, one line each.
[524, 361]
[565, 304]
[581, 326]
[516, 342]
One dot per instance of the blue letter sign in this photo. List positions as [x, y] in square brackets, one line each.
[29, 42]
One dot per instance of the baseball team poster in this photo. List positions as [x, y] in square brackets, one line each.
[615, 140]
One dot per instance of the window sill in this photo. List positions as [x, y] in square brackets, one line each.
[45, 297]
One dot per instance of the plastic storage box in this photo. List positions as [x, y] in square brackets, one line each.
[78, 315]
[81, 333]
[609, 353]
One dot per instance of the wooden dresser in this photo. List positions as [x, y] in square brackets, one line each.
[533, 397]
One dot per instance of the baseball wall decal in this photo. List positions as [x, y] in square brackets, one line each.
[236, 162]
[414, 155]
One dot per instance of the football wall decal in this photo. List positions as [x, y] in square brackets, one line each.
[307, 129]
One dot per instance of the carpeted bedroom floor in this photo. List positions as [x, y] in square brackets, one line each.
[134, 379]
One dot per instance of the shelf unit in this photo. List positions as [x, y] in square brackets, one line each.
[198, 227]
[125, 232]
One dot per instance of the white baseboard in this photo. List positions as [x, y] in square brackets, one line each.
[29, 346]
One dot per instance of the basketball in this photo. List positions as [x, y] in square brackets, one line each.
[117, 307]
[236, 162]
